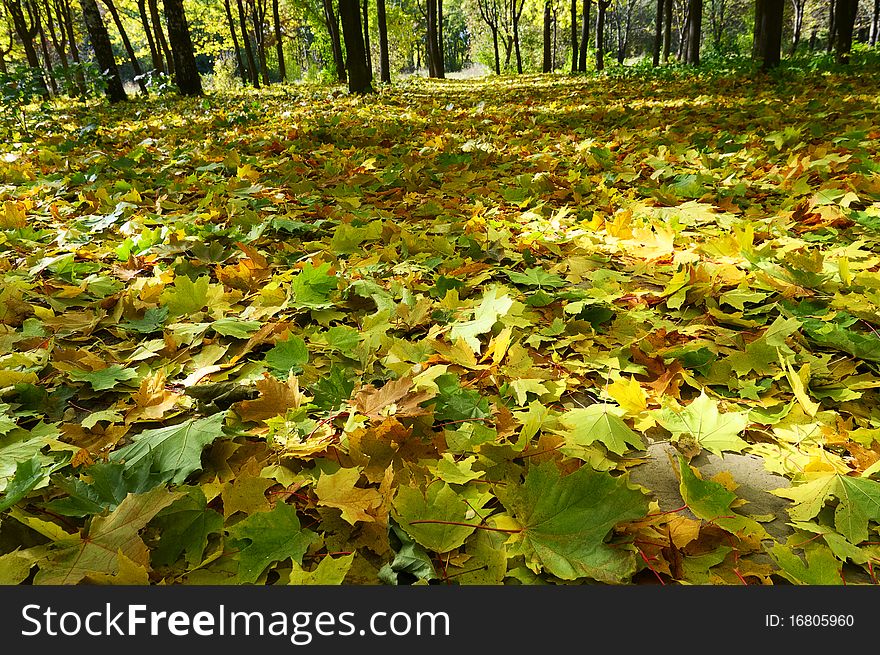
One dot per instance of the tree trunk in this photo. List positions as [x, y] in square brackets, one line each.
[258, 15]
[135, 65]
[155, 55]
[26, 34]
[356, 56]
[279, 43]
[585, 37]
[186, 74]
[667, 30]
[517, 13]
[441, 50]
[365, 12]
[798, 6]
[57, 44]
[495, 48]
[44, 50]
[246, 42]
[335, 40]
[575, 42]
[160, 36]
[844, 19]
[695, 31]
[548, 17]
[658, 33]
[65, 22]
[239, 62]
[770, 45]
[601, 6]
[103, 50]
[875, 24]
[384, 60]
[832, 24]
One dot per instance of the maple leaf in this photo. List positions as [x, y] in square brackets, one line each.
[566, 520]
[393, 399]
[338, 490]
[275, 399]
[600, 423]
[709, 428]
[495, 303]
[445, 514]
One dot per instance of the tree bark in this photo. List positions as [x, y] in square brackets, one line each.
[832, 24]
[770, 44]
[575, 43]
[548, 18]
[258, 17]
[239, 62]
[44, 49]
[365, 10]
[667, 30]
[384, 60]
[517, 13]
[160, 36]
[585, 37]
[875, 23]
[658, 34]
[279, 43]
[601, 6]
[359, 79]
[246, 42]
[155, 55]
[335, 40]
[103, 50]
[186, 74]
[135, 65]
[26, 34]
[845, 18]
[694, 31]
[797, 28]
[65, 22]
[441, 50]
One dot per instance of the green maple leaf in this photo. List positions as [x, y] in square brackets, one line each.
[233, 327]
[711, 502]
[153, 320]
[537, 277]
[267, 537]
[287, 356]
[106, 378]
[858, 502]
[312, 286]
[566, 521]
[97, 550]
[821, 567]
[184, 527]
[109, 484]
[702, 421]
[495, 303]
[600, 423]
[437, 503]
[330, 571]
[28, 474]
[186, 297]
[175, 450]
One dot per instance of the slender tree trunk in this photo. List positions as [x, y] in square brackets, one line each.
[832, 24]
[585, 37]
[575, 42]
[441, 50]
[365, 10]
[601, 7]
[658, 33]
[517, 13]
[356, 56]
[186, 73]
[667, 30]
[103, 50]
[160, 36]
[798, 6]
[335, 40]
[246, 43]
[384, 60]
[65, 22]
[875, 24]
[155, 55]
[548, 17]
[135, 65]
[239, 62]
[279, 43]
[695, 31]
[258, 15]
[44, 50]
[845, 19]
[26, 34]
[494, 29]
[57, 44]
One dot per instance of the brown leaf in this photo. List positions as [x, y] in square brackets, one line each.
[276, 398]
[394, 399]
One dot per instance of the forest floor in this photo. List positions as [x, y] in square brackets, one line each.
[451, 333]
